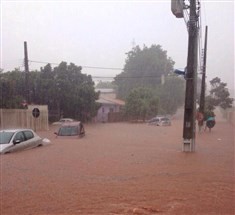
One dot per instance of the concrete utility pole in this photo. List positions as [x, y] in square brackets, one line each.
[26, 64]
[203, 86]
[191, 81]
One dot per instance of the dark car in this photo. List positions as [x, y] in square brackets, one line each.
[71, 129]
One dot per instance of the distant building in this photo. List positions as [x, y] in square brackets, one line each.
[110, 106]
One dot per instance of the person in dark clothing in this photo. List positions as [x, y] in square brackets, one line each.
[210, 120]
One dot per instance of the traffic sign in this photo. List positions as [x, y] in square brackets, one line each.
[36, 112]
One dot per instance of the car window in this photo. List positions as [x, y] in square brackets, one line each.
[68, 131]
[19, 136]
[28, 135]
[5, 137]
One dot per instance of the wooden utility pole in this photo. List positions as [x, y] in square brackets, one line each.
[203, 86]
[26, 64]
[191, 78]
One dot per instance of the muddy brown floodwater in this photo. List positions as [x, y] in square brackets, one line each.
[122, 168]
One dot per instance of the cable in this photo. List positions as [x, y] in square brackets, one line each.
[109, 77]
[103, 77]
[86, 67]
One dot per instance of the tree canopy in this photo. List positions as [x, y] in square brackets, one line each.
[141, 103]
[171, 94]
[105, 85]
[143, 68]
[65, 90]
[151, 68]
[219, 95]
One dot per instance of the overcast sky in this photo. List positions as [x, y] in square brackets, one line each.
[99, 33]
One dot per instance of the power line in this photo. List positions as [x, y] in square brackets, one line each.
[103, 77]
[85, 67]
[124, 77]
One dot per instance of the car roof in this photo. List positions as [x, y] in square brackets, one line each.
[162, 117]
[76, 123]
[15, 130]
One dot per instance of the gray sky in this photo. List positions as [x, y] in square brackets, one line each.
[99, 33]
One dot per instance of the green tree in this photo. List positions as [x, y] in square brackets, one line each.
[219, 95]
[141, 103]
[171, 94]
[64, 89]
[105, 85]
[143, 68]
[147, 68]
[11, 89]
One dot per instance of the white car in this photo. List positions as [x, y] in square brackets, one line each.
[160, 121]
[63, 120]
[12, 140]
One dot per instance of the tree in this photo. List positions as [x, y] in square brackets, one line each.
[148, 68]
[73, 93]
[171, 95]
[219, 95]
[105, 85]
[64, 89]
[141, 103]
[11, 89]
[143, 68]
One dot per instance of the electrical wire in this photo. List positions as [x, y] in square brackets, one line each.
[85, 67]
[104, 77]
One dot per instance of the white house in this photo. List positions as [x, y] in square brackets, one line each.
[109, 104]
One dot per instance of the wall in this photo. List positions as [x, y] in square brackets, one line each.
[23, 118]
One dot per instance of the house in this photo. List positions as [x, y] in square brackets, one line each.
[110, 106]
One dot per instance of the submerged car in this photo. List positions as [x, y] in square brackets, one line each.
[71, 129]
[63, 120]
[12, 140]
[160, 121]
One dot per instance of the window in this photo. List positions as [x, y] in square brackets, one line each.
[69, 131]
[5, 137]
[19, 136]
[28, 135]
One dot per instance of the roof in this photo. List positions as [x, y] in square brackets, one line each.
[15, 129]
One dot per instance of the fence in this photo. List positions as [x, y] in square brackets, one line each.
[116, 117]
[23, 118]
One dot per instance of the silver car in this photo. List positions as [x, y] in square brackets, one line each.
[18, 139]
[160, 121]
[71, 130]
[63, 120]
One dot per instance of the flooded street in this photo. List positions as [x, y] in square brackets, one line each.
[122, 168]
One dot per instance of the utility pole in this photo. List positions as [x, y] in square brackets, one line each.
[191, 81]
[178, 7]
[203, 86]
[26, 64]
